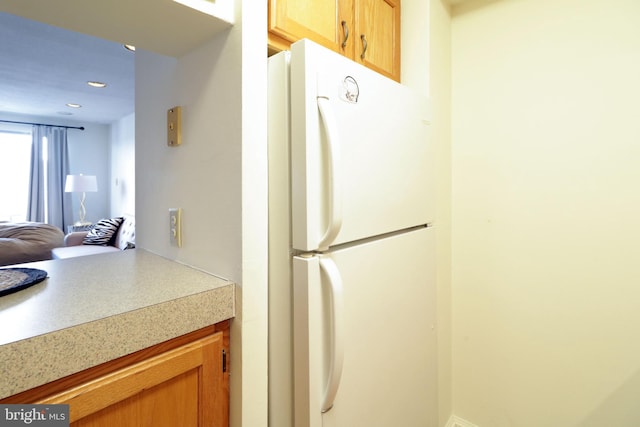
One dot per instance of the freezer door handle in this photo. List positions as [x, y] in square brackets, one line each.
[336, 339]
[334, 177]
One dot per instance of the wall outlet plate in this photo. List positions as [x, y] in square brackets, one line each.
[175, 227]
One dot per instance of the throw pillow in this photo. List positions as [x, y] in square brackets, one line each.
[126, 237]
[103, 232]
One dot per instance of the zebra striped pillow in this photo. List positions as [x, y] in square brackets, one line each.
[103, 232]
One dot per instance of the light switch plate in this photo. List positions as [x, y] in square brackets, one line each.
[174, 126]
[175, 227]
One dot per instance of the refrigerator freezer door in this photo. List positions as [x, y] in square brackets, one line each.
[361, 163]
[375, 327]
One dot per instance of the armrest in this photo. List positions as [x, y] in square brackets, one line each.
[75, 238]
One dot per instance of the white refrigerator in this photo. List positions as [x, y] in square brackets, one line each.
[352, 320]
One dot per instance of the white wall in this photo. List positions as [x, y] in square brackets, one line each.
[122, 167]
[546, 159]
[202, 176]
[88, 154]
[252, 409]
[217, 176]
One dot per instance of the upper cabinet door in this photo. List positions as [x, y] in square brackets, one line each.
[378, 36]
[327, 22]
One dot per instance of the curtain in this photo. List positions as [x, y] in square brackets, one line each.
[35, 208]
[49, 167]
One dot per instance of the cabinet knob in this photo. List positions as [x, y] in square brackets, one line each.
[364, 45]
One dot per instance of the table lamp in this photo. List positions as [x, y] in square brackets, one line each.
[81, 184]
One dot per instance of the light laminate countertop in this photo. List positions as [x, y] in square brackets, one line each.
[96, 308]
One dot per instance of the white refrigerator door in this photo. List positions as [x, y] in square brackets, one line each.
[364, 334]
[361, 161]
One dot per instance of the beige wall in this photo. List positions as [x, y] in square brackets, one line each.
[440, 93]
[426, 68]
[546, 167]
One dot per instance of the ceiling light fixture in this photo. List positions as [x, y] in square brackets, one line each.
[72, 105]
[97, 84]
[130, 47]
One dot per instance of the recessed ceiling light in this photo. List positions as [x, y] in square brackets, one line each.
[130, 47]
[97, 84]
[72, 105]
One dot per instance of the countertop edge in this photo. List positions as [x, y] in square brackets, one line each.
[41, 359]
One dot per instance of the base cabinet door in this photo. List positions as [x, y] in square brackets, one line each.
[181, 387]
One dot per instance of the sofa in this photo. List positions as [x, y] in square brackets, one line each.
[79, 243]
[27, 242]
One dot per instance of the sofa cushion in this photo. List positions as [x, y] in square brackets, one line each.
[103, 232]
[75, 238]
[81, 250]
[27, 242]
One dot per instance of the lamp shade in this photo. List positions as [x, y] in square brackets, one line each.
[80, 183]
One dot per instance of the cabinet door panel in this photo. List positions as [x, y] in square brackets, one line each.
[181, 387]
[317, 20]
[378, 26]
[172, 403]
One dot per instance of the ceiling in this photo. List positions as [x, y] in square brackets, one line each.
[42, 68]
[166, 27]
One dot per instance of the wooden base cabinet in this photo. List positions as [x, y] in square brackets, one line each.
[186, 385]
[367, 31]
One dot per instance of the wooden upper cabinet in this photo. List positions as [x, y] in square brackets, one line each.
[344, 26]
[378, 32]
[325, 22]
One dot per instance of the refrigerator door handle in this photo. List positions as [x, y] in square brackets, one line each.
[334, 177]
[336, 339]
